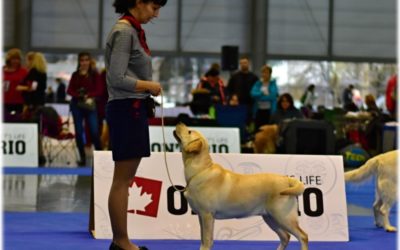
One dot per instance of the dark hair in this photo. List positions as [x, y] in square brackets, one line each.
[122, 6]
[288, 97]
[212, 72]
[82, 54]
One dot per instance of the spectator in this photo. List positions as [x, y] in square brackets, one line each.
[61, 91]
[371, 105]
[348, 103]
[84, 87]
[213, 83]
[285, 110]
[13, 75]
[49, 95]
[265, 93]
[35, 84]
[391, 96]
[307, 100]
[374, 126]
[240, 84]
[33, 90]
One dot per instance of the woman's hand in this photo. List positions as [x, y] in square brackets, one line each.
[23, 88]
[154, 88]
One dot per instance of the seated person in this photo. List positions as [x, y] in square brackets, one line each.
[285, 110]
[213, 83]
[372, 108]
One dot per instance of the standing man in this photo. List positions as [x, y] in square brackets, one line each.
[348, 103]
[61, 91]
[240, 84]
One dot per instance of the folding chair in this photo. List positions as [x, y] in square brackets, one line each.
[58, 141]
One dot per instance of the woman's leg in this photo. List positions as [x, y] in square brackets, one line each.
[94, 129]
[124, 172]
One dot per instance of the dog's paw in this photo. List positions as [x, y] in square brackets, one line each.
[379, 224]
[391, 229]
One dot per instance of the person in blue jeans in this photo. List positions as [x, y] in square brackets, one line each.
[265, 94]
[84, 87]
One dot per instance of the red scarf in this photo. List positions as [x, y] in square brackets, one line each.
[142, 36]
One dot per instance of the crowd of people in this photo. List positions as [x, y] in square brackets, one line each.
[25, 91]
[267, 106]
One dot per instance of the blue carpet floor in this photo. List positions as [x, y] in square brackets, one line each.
[66, 231]
[41, 230]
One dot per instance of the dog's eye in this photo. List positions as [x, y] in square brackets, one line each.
[190, 132]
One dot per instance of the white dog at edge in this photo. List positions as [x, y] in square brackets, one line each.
[216, 193]
[384, 168]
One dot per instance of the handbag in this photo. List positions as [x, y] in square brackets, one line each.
[88, 104]
[150, 107]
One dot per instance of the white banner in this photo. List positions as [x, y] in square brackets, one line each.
[157, 211]
[221, 140]
[20, 145]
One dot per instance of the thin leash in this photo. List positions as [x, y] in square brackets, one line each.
[164, 147]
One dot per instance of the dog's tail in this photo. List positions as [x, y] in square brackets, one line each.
[362, 173]
[296, 187]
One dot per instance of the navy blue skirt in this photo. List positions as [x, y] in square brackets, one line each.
[129, 129]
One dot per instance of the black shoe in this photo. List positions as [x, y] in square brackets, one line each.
[114, 246]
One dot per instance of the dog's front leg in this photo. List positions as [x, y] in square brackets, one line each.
[207, 230]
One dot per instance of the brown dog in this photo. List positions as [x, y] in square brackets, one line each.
[265, 139]
[217, 193]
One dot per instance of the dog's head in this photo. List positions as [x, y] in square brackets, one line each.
[191, 141]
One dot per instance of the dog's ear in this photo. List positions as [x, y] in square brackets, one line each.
[194, 146]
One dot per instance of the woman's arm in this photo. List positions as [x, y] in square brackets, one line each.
[256, 92]
[72, 89]
[119, 60]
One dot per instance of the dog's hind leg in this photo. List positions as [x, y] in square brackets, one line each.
[377, 213]
[388, 198]
[289, 223]
[207, 230]
[283, 235]
[385, 210]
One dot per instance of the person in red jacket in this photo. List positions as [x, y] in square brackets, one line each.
[84, 87]
[391, 95]
[13, 75]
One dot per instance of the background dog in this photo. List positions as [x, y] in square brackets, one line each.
[384, 168]
[217, 193]
[265, 140]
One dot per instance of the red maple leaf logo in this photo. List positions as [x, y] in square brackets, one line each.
[144, 196]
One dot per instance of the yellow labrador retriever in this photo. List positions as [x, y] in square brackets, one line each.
[384, 168]
[216, 193]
